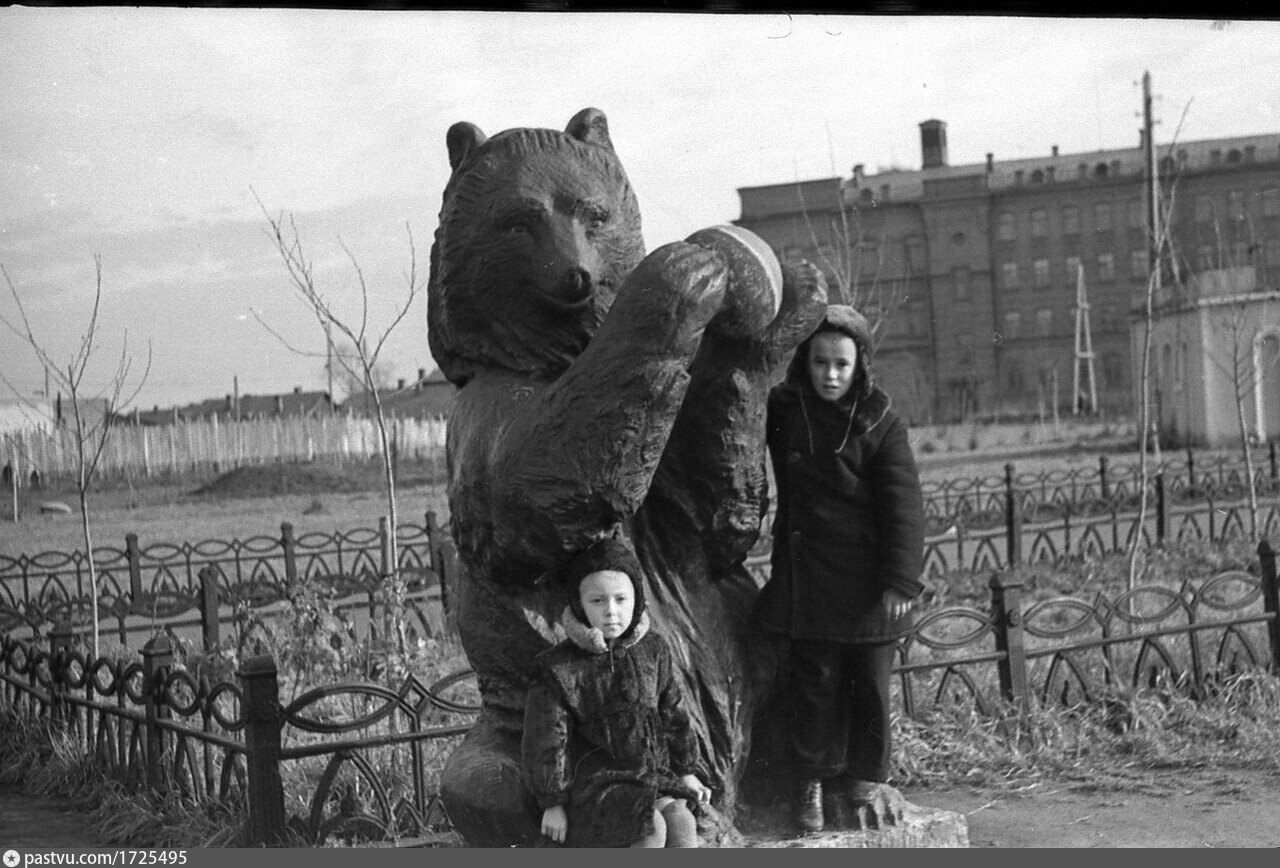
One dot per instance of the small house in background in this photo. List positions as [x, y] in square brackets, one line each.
[430, 396]
[295, 404]
[1214, 341]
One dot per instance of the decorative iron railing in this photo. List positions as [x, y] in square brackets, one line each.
[361, 761]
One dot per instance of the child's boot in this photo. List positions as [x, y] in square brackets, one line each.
[807, 810]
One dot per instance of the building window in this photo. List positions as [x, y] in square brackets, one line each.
[868, 259]
[1250, 152]
[1106, 267]
[915, 256]
[1012, 324]
[1137, 214]
[1039, 223]
[1273, 251]
[1102, 216]
[960, 277]
[1073, 270]
[1235, 204]
[1233, 156]
[1271, 202]
[1041, 271]
[1071, 220]
[1204, 209]
[1009, 275]
[1013, 377]
[1112, 371]
[1138, 262]
[1215, 157]
[1008, 229]
[1044, 322]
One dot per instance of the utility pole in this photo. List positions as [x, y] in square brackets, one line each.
[1084, 352]
[328, 358]
[1153, 185]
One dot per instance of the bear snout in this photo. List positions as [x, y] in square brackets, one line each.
[572, 289]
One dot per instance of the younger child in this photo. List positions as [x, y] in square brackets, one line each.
[608, 751]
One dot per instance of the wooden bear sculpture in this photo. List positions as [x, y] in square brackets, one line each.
[598, 387]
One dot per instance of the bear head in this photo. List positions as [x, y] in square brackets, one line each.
[537, 230]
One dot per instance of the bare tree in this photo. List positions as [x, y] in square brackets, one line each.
[91, 430]
[360, 360]
[1159, 236]
[1237, 357]
[854, 268]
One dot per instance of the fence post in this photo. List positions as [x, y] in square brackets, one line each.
[1102, 477]
[290, 547]
[61, 638]
[1162, 513]
[209, 604]
[1191, 470]
[1271, 600]
[450, 577]
[1271, 455]
[263, 723]
[134, 556]
[1012, 520]
[157, 658]
[1006, 611]
[384, 585]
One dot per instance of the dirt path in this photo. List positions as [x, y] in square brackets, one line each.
[31, 823]
[1204, 808]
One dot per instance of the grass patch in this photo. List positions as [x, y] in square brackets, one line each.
[1119, 743]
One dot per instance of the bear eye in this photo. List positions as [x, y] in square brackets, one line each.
[595, 217]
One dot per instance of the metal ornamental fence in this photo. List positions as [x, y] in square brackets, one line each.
[361, 760]
[202, 586]
[348, 761]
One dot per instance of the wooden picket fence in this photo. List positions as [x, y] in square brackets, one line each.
[197, 447]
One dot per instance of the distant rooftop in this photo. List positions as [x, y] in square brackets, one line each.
[909, 184]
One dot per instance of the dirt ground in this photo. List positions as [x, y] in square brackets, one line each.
[1203, 808]
[1200, 808]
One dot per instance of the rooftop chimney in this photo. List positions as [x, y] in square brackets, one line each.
[297, 390]
[857, 175]
[400, 384]
[991, 162]
[933, 144]
[1055, 150]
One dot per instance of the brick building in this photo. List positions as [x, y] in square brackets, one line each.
[974, 268]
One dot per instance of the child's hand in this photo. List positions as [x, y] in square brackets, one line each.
[555, 823]
[895, 604]
[694, 783]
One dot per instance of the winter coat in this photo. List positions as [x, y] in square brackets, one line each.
[850, 520]
[606, 733]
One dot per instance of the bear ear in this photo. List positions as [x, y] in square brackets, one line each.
[589, 125]
[462, 140]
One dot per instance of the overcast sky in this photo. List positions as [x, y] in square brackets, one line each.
[142, 134]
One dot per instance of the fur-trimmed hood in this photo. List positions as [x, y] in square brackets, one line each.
[591, 639]
[867, 401]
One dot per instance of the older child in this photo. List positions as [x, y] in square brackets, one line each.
[608, 751]
[848, 541]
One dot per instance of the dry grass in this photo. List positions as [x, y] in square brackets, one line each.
[1115, 744]
[236, 506]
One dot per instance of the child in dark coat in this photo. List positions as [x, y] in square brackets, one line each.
[848, 542]
[608, 751]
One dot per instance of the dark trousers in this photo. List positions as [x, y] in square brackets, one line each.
[842, 710]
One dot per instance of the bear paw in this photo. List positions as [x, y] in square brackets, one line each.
[754, 293]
